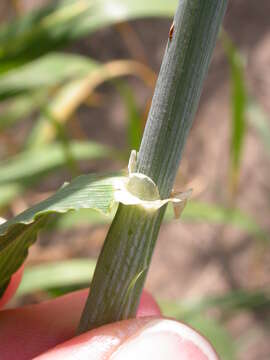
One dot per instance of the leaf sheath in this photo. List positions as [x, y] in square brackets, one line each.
[129, 244]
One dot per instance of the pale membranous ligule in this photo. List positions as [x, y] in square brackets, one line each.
[139, 189]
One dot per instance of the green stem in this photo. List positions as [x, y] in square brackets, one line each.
[128, 247]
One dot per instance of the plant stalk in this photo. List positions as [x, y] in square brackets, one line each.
[126, 254]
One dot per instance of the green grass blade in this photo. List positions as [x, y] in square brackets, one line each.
[238, 300]
[48, 71]
[74, 93]
[56, 275]
[63, 21]
[196, 211]
[17, 234]
[30, 165]
[134, 120]
[259, 120]
[80, 218]
[21, 106]
[8, 192]
[238, 106]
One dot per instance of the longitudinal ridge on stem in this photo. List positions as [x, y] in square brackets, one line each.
[128, 247]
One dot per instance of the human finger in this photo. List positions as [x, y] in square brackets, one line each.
[141, 338]
[31, 330]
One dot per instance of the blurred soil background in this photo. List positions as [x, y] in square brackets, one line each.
[191, 260]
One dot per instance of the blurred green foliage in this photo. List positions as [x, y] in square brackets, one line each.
[238, 108]
[36, 79]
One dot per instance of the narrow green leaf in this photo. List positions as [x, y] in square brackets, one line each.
[203, 212]
[35, 163]
[94, 192]
[21, 106]
[61, 22]
[25, 169]
[238, 300]
[55, 275]
[56, 112]
[8, 192]
[238, 106]
[80, 218]
[259, 120]
[50, 70]
[17, 234]
[72, 94]
[235, 301]
[134, 121]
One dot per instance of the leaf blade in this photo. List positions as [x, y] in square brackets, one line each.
[56, 274]
[17, 234]
[61, 22]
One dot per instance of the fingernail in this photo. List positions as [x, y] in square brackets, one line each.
[165, 339]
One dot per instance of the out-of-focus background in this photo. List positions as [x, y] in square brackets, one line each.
[76, 80]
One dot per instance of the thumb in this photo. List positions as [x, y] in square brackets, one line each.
[141, 338]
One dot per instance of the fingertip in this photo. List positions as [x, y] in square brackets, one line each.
[96, 344]
[49, 323]
[165, 339]
[141, 338]
[148, 306]
[12, 286]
